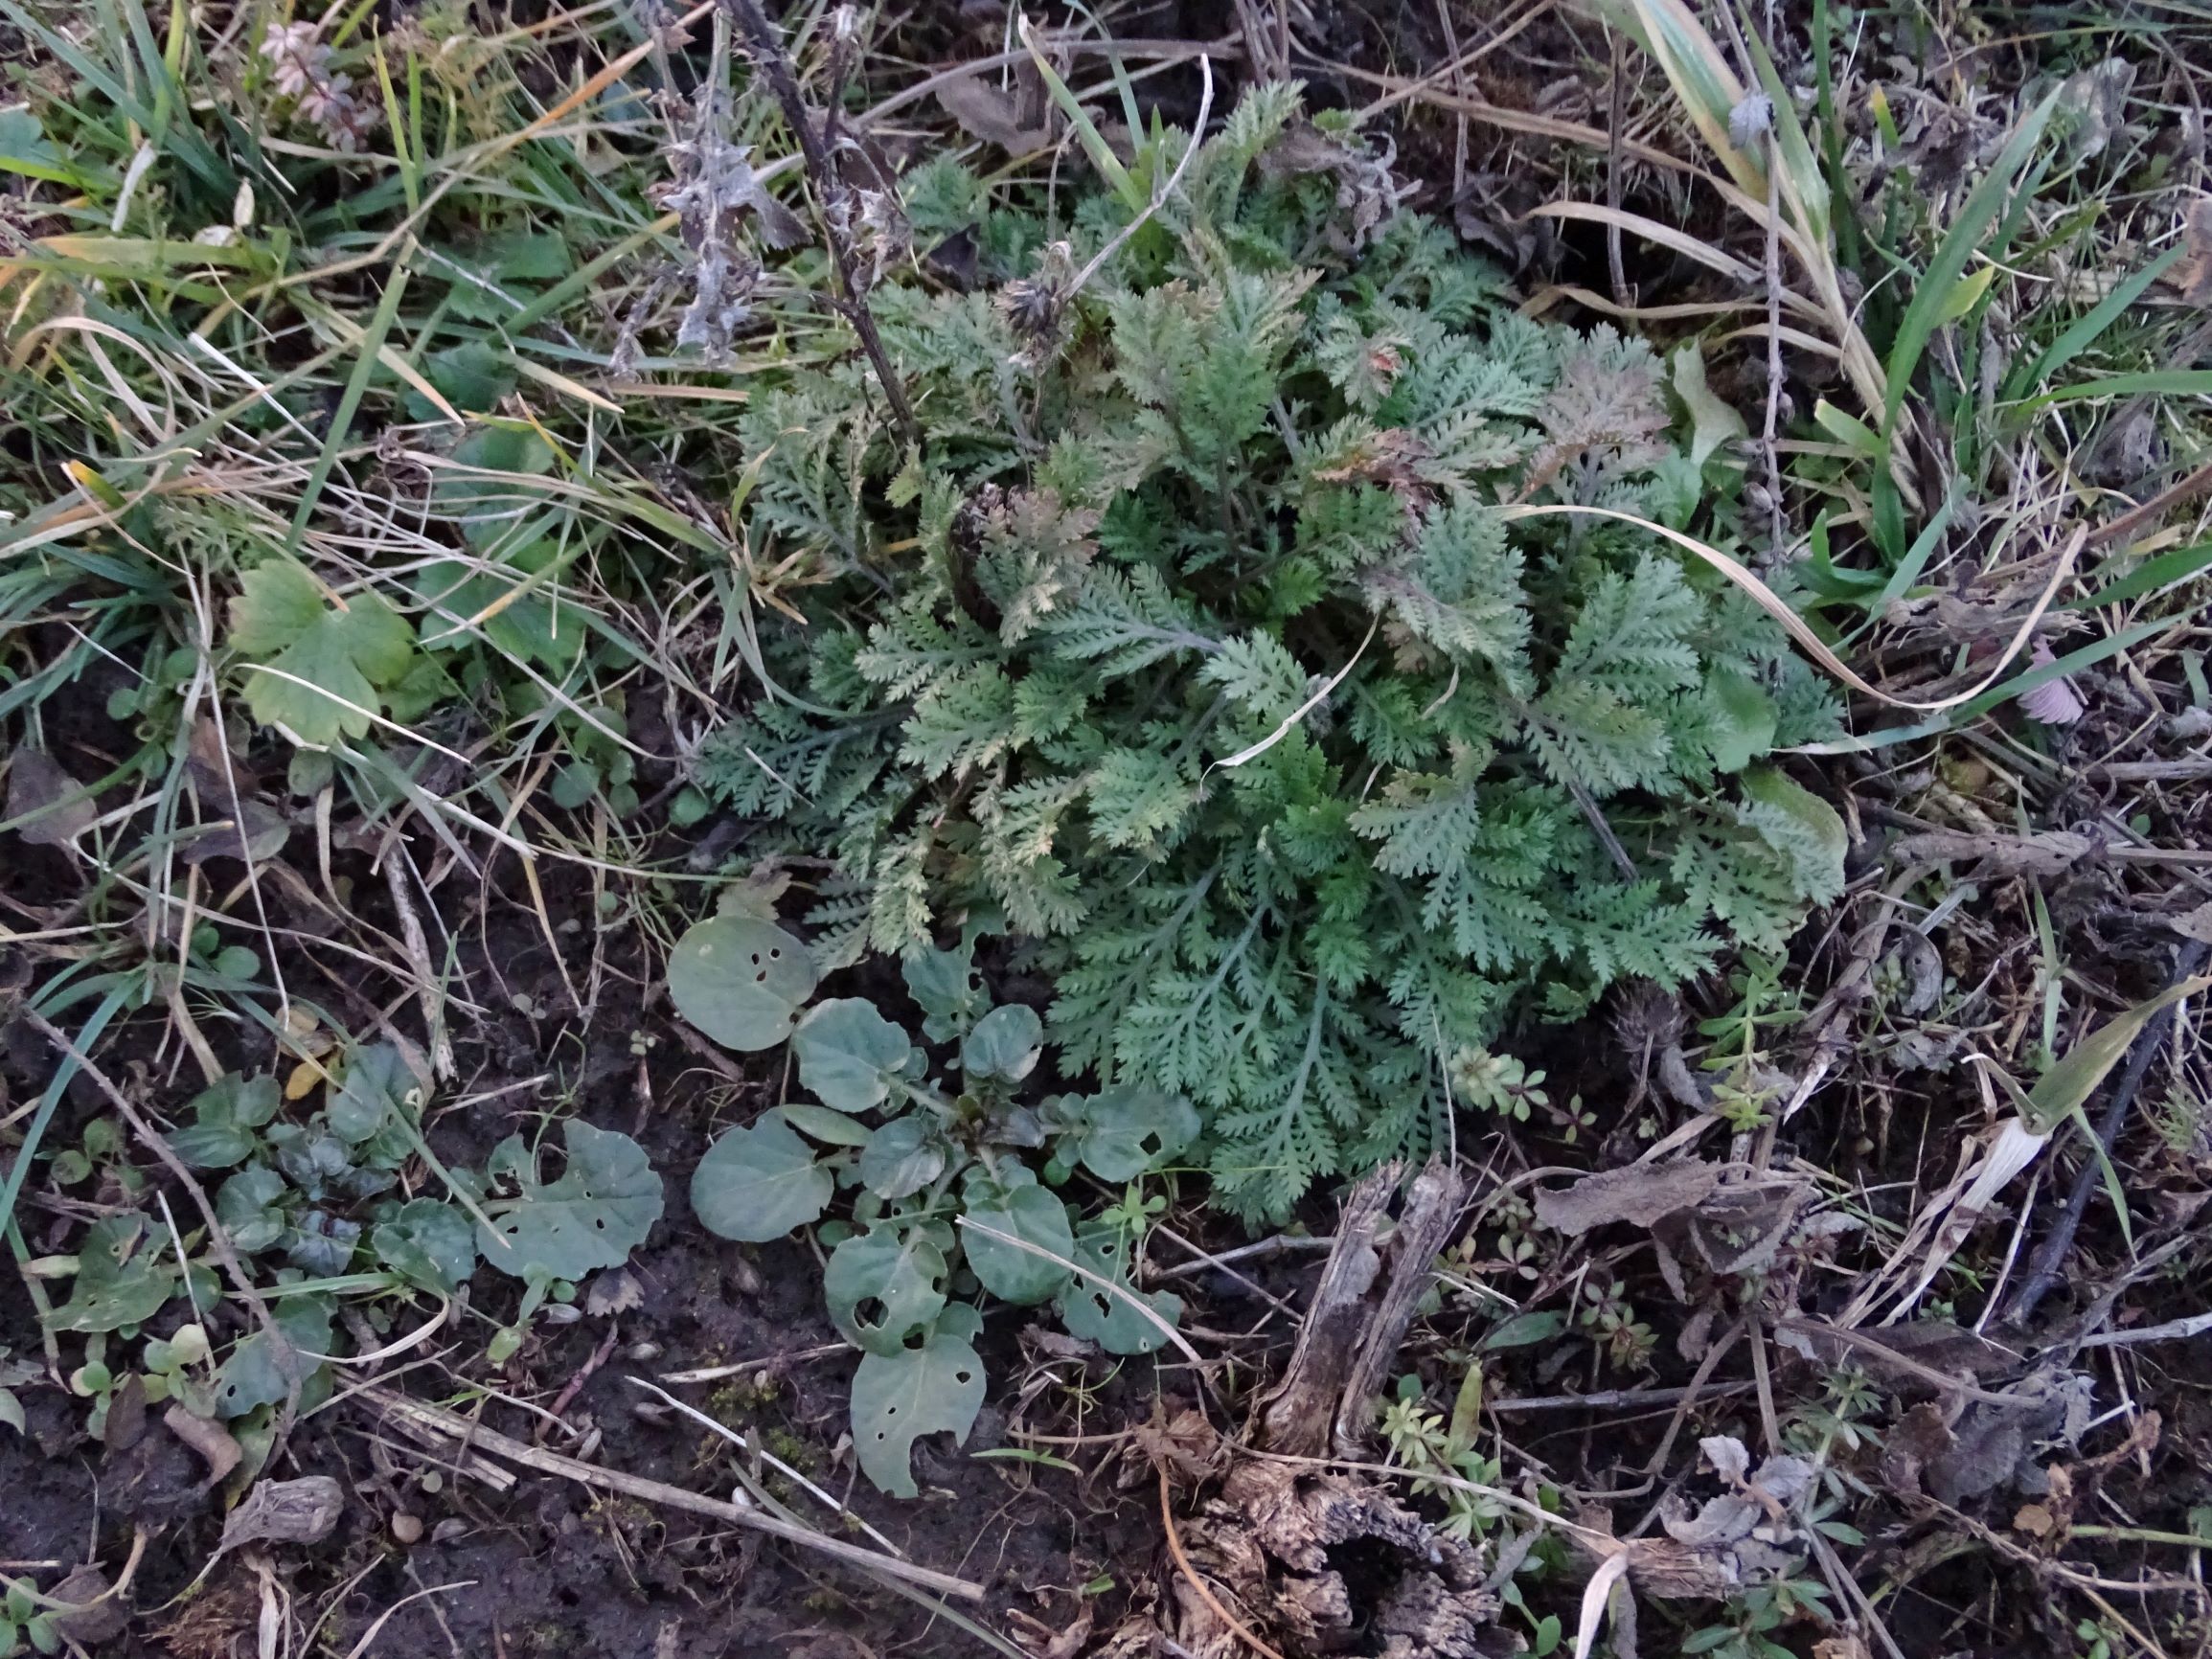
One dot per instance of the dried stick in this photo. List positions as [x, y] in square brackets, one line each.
[836, 203]
[478, 1438]
[2043, 1271]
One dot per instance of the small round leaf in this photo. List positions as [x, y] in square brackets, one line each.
[848, 1054]
[1034, 1216]
[740, 980]
[901, 1158]
[1121, 1132]
[1005, 1044]
[757, 1183]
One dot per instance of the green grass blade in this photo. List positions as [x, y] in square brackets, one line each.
[357, 386]
[1966, 234]
[2153, 382]
[2084, 332]
[2152, 575]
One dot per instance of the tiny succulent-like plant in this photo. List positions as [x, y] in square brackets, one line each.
[944, 1205]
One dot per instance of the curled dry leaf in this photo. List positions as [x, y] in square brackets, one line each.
[1639, 1194]
[211, 1439]
[1014, 120]
[2053, 853]
[301, 1512]
[37, 785]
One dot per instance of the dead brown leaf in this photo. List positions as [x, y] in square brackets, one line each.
[301, 1512]
[1014, 120]
[211, 1439]
[37, 785]
[2053, 853]
[1640, 1195]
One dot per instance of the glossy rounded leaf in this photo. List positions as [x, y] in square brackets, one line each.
[1005, 1044]
[757, 1183]
[901, 1158]
[848, 1054]
[1034, 1216]
[900, 1395]
[740, 980]
[884, 1285]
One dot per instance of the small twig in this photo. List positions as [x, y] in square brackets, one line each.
[836, 204]
[1595, 816]
[1191, 1574]
[1616, 123]
[551, 1462]
[2043, 1273]
[766, 1456]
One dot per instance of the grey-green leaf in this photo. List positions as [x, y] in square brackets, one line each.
[848, 1054]
[594, 1215]
[821, 1124]
[901, 1158]
[1123, 1131]
[900, 1397]
[740, 980]
[757, 1183]
[950, 991]
[1036, 1216]
[1091, 1310]
[1005, 1044]
[884, 1285]
[261, 1370]
[120, 1279]
[376, 1085]
[429, 1241]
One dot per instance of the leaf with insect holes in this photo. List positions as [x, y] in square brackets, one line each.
[848, 1054]
[321, 667]
[884, 1284]
[1005, 1044]
[740, 980]
[262, 1368]
[1121, 1132]
[120, 1279]
[599, 1209]
[900, 1397]
[950, 991]
[902, 1157]
[1026, 1212]
[1089, 1309]
[757, 1183]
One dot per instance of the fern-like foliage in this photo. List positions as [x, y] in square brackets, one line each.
[1193, 648]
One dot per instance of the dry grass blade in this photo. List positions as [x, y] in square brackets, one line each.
[1119, 1292]
[1814, 646]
